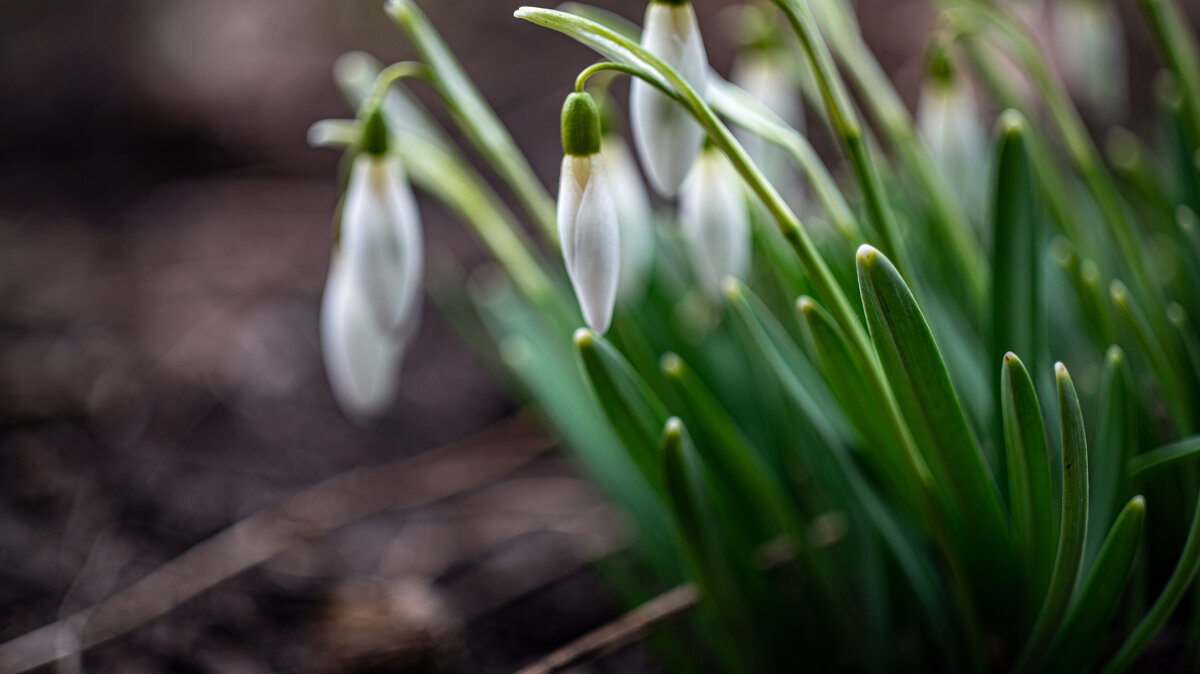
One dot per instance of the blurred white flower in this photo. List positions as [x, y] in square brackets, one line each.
[382, 242]
[589, 235]
[361, 360]
[635, 218]
[666, 136]
[1090, 50]
[715, 223]
[948, 118]
[762, 74]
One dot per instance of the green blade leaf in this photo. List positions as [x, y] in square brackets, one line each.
[633, 411]
[969, 498]
[1096, 602]
[1073, 530]
[1160, 355]
[1171, 456]
[1030, 494]
[1017, 324]
[1115, 441]
[1172, 594]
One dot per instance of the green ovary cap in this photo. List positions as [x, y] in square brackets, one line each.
[580, 125]
[375, 134]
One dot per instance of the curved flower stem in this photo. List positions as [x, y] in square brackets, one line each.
[389, 76]
[582, 78]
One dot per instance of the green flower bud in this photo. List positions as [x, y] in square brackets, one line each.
[375, 134]
[580, 126]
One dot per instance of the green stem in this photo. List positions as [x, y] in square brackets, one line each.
[848, 127]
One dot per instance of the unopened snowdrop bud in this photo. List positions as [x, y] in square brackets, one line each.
[361, 360]
[948, 118]
[635, 218]
[587, 218]
[381, 236]
[715, 223]
[1090, 50]
[667, 138]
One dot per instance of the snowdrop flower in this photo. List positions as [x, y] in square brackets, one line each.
[1087, 40]
[381, 238]
[715, 223]
[372, 297]
[948, 118]
[587, 218]
[666, 136]
[635, 218]
[361, 360]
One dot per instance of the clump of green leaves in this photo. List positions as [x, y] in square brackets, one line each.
[889, 419]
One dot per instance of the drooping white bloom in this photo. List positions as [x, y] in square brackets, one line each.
[372, 300]
[361, 360]
[715, 223]
[948, 118]
[667, 138]
[589, 235]
[382, 242]
[588, 232]
[635, 218]
[1090, 50]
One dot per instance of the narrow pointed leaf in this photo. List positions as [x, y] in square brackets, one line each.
[1171, 456]
[1177, 585]
[1030, 494]
[1016, 249]
[1073, 530]
[918, 376]
[1115, 440]
[1097, 601]
[633, 410]
[1161, 356]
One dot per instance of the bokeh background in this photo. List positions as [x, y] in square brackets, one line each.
[164, 237]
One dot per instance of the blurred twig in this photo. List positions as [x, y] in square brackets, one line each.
[619, 633]
[334, 503]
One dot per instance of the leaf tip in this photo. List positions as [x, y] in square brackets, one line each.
[1120, 294]
[584, 338]
[1011, 124]
[1114, 356]
[673, 431]
[806, 305]
[731, 288]
[1137, 504]
[671, 364]
[867, 254]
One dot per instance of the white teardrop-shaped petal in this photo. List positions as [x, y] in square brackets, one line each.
[361, 361]
[382, 241]
[715, 224]
[635, 218]
[1090, 50]
[590, 238]
[948, 118]
[666, 136]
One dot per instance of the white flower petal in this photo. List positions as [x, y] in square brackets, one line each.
[666, 136]
[589, 235]
[361, 361]
[634, 217]
[382, 241]
[715, 223]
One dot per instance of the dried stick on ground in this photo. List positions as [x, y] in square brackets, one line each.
[406, 484]
[619, 633]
